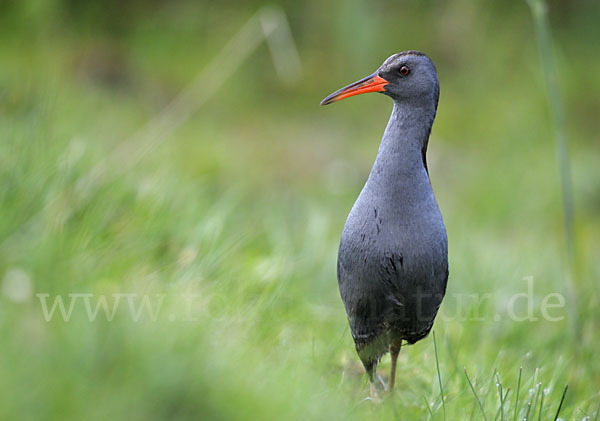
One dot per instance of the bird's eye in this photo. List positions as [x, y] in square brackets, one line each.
[404, 70]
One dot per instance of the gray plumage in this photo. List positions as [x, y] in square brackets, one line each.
[393, 254]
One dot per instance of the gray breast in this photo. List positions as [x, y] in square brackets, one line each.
[392, 266]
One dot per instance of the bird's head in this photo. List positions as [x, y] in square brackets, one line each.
[409, 76]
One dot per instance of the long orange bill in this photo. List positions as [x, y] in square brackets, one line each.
[373, 83]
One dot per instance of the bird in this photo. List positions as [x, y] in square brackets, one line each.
[392, 266]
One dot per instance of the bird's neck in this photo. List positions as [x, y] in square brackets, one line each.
[400, 162]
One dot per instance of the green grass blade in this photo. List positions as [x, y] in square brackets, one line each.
[428, 408]
[544, 37]
[562, 399]
[499, 385]
[498, 411]
[541, 407]
[528, 410]
[437, 363]
[517, 397]
[537, 396]
[475, 393]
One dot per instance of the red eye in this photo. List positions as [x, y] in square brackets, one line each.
[404, 70]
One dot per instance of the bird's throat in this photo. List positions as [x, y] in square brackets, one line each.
[400, 161]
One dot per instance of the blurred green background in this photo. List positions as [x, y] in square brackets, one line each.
[242, 206]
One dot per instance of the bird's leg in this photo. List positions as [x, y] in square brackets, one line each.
[371, 369]
[394, 351]
[373, 393]
[382, 382]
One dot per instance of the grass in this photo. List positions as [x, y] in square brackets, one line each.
[539, 11]
[437, 366]
[232, 228]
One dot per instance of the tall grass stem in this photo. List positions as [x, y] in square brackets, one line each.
[437, 363]
[517, 397]
[475, 393]
[562, 400]
[539, 11]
